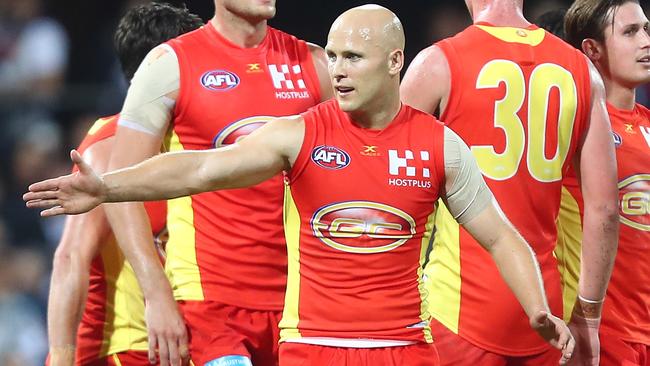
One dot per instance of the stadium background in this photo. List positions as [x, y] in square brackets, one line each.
[58, 73]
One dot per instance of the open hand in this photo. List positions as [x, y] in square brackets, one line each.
[71, 194]
[555, 332]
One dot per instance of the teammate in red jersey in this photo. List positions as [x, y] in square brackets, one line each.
[614, 35]
[226, 255]
[111, 329]
[529, 106]
[355, 293]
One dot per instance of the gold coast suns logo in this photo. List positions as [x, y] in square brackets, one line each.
[239, 129]
[362, 227]
[634, 193]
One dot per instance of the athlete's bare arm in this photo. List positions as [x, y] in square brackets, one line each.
[471, 203]
[139, 135]
[80, 242]
[596, 168]
[260, 156]
[427, 81]
[320, 63]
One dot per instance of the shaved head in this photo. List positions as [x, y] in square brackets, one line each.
[365, 49]
[374, 24]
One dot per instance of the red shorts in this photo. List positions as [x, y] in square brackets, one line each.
[617, 352]
[224, 334]
[127, 358]
[299, 354]
[455, 350]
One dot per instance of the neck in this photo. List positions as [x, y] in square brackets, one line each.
[246, 33]
[621, 97]
[377, 118]
[502, 13]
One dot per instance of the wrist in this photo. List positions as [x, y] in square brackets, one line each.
[62, 355]
[587, 308]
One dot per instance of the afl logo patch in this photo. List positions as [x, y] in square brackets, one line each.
[330, 157]
[618, 140]
[362, 227]
[239, 129]
[219, 80]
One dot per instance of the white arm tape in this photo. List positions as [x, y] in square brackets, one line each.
[469, 194]
[147, 107]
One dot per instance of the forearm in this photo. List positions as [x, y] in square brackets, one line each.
[519, 268]
[66, 302]
[132, 230]
[161, 177]
[599, 245]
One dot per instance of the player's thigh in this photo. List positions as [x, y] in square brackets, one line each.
[456, 351]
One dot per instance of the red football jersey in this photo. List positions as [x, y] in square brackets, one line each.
[520, 98]
[626, 312]
[359, 206]
[229, 246]
[113, 319]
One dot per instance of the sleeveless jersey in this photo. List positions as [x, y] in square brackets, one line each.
[228, 246]
[520, 98]
[113, 319]
[359, 210]
[626, 311]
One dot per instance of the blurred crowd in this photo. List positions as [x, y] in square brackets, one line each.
[58, 74]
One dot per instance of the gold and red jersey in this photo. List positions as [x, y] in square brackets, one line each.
[520, 98]
[626, 312]
[229, 246]
[359, 207]
[113, 319]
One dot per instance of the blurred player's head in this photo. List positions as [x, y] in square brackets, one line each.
[365, 50]
[614, 35]
[251, 10]
[553, 21]
[146, 26]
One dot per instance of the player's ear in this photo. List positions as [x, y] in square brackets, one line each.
[395, 62]
[592, 49]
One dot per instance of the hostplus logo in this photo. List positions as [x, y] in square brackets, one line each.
[402, 164]
[288, 81]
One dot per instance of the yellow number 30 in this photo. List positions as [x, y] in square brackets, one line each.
[545, 77]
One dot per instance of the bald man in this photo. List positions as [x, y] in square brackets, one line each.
[363, 175]
[529, 106]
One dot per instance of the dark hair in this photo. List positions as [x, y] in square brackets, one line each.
[144, 27]
[589, 18]
[553, 21]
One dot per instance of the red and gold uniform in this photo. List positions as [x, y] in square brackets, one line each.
[226, 249]
[520, 98]
[112, 328]
[359, 208]
[625, 326]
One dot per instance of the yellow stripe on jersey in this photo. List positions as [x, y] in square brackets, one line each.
[98, 125]
[290, 317]
[424, 294]
[443, 271]
[181, 265]
[124, 325]
[568, 249]
[516, 35]
[117, 361]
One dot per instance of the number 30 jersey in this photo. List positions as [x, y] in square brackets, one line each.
[359, 207]
[520, 98]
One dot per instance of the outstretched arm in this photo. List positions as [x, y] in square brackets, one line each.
[81, 240]
[263, 154]
[472, 204]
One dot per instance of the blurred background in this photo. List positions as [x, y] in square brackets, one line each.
[58, 74]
